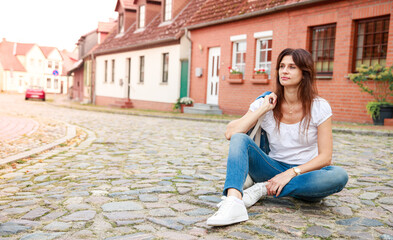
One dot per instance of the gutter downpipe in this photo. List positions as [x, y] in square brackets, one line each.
[93, 79]
[189, 62]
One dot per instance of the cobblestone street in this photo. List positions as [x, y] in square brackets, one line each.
[131, 177]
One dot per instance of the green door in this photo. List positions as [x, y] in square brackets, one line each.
[184, 78]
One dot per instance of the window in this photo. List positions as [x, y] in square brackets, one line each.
[142, 16]
[113, 71]
[106, 71]
[49, 64]
[121, 23]
[56, 83]
[322, 48]
[168, 10]
[239, 55]
[264, 54]
[165, 62]
[141, 69]
[371, 42]
[56, 65]
[48, 83]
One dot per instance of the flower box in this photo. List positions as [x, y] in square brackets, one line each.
[260, 79]
[235, 78]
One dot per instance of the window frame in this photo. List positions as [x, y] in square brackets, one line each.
[235, 51]
[142, 18]
[258, 49]
[168, 5]
[121, 23]
[323, 39]
[56, 83]
[113, 71]
[105, 71]
[141, 69]
[356, 40]
[165, 63]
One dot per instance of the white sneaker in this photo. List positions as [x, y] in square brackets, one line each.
[248, 183]
[232, 210]
[253, 194]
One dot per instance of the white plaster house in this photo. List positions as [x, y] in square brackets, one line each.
[23, 65]
[144, 62]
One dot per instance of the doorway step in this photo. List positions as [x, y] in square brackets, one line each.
[200, 108]
[122, 103]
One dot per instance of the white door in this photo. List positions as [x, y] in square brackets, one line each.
[213, 76]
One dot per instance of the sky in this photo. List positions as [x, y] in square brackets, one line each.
[53, 23]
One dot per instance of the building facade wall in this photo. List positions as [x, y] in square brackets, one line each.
[77, 87]
[290, 29]
[152, 89]
[52, 83]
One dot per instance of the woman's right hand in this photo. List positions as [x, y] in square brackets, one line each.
[269, 102]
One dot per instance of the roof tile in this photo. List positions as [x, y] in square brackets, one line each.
[214, 10]
[153, 31]
[8, 60]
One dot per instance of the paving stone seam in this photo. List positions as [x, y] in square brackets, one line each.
[71, 133]
[224, 121]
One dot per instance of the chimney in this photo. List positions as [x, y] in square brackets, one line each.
[4, 40]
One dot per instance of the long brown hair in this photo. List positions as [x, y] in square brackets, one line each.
[307, 90]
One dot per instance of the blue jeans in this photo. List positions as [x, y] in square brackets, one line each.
[246, 157]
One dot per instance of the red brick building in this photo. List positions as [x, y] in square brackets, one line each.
[250, 34]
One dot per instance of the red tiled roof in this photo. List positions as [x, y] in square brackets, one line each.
[23, 48]
[105, 26]
[215, 10]
[47, 50]
[126, 4]
[69, 60]
[153, 33]
[8, 60]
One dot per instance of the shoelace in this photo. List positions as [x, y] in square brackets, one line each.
[222, 200]
[224, 205]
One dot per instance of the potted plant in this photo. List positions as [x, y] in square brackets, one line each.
[235, 75]
[260, 76]
[376, 80]
[182, 102]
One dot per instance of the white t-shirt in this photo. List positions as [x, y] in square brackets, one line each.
[293, 145]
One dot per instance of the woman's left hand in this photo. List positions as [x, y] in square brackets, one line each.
[278, 182]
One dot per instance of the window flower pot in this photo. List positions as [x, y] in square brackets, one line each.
[235, 78]
[260, 79]
[385, 111]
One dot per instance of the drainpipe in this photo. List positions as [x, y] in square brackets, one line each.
[189, 62]
[93, 79]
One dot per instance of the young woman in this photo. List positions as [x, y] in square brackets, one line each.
[299, 129]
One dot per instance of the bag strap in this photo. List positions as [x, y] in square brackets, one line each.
[256, 132]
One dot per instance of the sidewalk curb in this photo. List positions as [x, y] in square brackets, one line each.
[224, 121]
[71, 133]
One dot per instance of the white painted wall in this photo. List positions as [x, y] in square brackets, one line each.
[152, 89]
[53, 57]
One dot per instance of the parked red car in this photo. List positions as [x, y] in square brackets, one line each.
[35, 92]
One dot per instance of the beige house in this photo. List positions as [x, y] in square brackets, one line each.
[23, 65]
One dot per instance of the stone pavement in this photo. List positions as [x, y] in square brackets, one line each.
[12, 128]
[130, 177]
